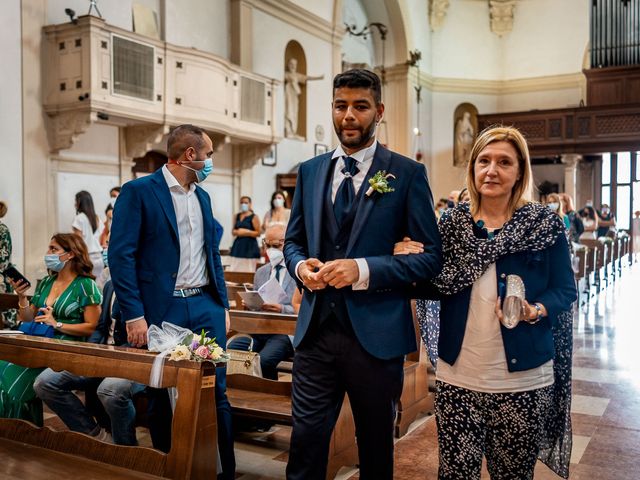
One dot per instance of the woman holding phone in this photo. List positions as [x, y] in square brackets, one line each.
[68, 300]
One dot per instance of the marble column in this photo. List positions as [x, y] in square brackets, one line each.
[570, 162]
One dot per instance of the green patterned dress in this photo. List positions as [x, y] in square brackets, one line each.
[8, 317]
[17, 397]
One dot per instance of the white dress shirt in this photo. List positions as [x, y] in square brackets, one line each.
[364, 159]
[192, 271]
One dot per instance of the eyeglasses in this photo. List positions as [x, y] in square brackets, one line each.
[276, 244]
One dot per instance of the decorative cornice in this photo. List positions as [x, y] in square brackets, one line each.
[66, 127]
[140, 138]
[301, 18]
[502, 87]
[437, 13]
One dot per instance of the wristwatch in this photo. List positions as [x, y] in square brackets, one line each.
[58, 325]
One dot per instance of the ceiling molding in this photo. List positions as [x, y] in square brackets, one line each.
[301, 18]
[501, 87]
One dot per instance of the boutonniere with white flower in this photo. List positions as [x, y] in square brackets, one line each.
[380, 183]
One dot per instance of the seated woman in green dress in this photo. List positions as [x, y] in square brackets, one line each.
[69, 300]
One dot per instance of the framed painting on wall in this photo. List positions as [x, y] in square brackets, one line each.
[319, 149]
[271, 158]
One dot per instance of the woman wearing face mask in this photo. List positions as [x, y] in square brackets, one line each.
[606, 220]
[244, 251]
[554, 202]
[278, 214]
[68, 300]
[87, 225]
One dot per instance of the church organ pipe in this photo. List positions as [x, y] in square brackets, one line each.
[615, 33]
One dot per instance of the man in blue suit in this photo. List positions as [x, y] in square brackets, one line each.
[165, 266]
[355, 323]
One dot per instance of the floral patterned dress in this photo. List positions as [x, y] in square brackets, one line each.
[17, 397]
[7, 317]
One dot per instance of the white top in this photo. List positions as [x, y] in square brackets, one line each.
[91, 239]
[192, 271]
[482, 364]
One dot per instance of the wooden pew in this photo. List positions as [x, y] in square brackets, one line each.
[601, 256]
[238, 277]
[194, 431]
[270, 400]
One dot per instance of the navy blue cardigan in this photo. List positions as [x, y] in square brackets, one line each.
[548, 279]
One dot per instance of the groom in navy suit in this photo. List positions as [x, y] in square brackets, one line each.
[165, 266]
[355, 323]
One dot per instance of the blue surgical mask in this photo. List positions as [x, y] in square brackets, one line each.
[553, 206]
[53, 262]
[204, 171]
[244, 207]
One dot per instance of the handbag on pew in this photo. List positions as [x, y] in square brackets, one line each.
[37, 329]
[242, 361]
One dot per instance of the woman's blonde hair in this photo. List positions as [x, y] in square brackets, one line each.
[522, 192]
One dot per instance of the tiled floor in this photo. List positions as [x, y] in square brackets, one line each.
[605, 409]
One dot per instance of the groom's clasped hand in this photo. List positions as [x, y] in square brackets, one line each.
[317, 275]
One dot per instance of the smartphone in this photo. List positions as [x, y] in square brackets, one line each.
[13, 273]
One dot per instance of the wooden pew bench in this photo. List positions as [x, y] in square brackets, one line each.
[270, 400]
[37, 453]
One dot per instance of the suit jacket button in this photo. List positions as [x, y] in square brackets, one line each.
[332, 304]
[513, 360]
[174, 275]
[338, 247]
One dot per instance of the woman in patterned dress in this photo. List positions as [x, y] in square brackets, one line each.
[7, 317]
[502, 393]
[69, 300]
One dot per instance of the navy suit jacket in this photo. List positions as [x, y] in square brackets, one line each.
[144, 249]
[381, 315]
[548, 279]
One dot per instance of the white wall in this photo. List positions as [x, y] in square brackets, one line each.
[548, 173]
[202, 24]
[321, 8]
[11, 190]
[465, 47]
[549, 37]
[270, 37]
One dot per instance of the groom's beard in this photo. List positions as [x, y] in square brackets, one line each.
[357, 141]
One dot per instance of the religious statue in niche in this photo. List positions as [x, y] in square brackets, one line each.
[293, 82]
[464, 133]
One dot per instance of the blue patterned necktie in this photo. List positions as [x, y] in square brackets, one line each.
[346, 192]
[278, 271]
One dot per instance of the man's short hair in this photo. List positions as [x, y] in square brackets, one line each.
[115, 189]
[183, 137]
[359, 78]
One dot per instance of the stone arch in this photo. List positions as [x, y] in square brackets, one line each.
[295, 104]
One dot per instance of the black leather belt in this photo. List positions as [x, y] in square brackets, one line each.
[187, 292]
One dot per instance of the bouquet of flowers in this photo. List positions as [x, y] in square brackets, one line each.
[199, 348]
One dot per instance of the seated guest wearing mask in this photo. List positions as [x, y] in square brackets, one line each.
[606, 220]
[68, 299]
[272, 348]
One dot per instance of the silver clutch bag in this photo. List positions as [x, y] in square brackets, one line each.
[513, 301]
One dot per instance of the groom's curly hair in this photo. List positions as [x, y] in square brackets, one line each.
[359, 78]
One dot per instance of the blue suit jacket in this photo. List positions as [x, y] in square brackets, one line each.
[381, 315]
[548, 279]
[262, 276]
[144, 249]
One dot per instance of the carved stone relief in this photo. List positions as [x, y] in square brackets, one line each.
[140, 138]
[501, 16]
[437, 13]
[66, 127]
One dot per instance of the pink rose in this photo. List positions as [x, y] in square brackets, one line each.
[202, 352]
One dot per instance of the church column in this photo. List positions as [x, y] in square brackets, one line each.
[570, 162]
[396, 131]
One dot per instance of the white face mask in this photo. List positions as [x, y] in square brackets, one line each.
[278, 202]
[275, 255]
[553, 206]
